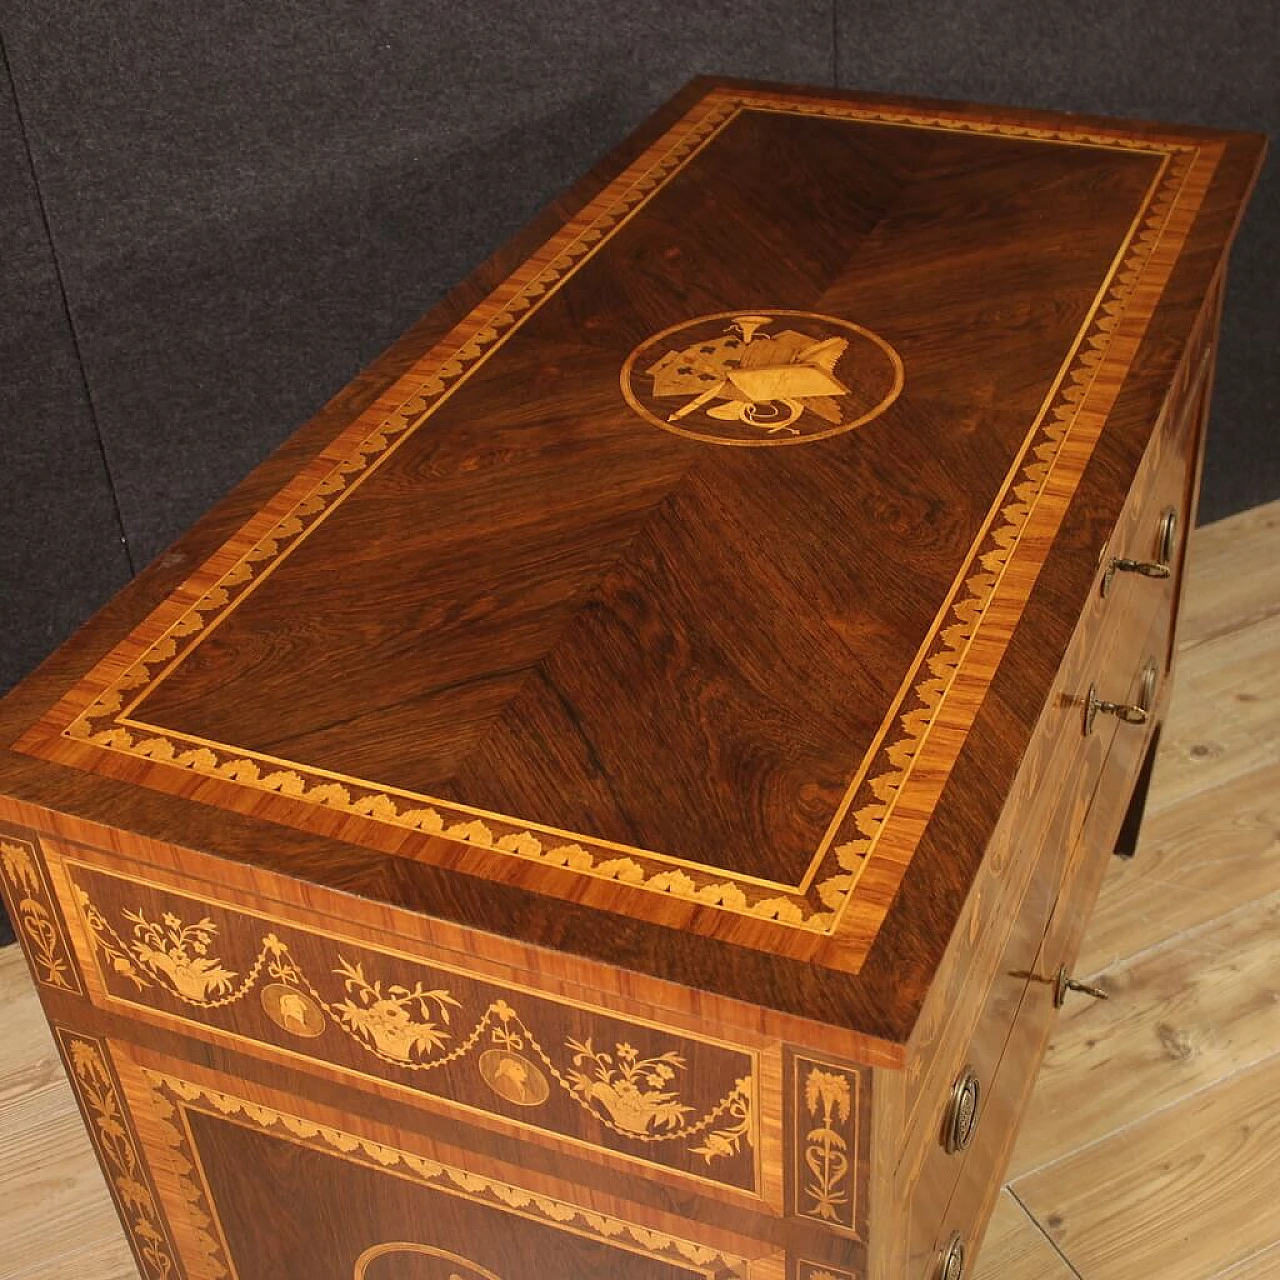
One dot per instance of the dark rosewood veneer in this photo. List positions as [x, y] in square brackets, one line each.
[619, 793]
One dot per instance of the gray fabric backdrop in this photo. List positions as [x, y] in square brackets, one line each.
[213, 214]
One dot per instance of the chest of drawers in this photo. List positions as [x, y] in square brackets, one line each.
[619, 793]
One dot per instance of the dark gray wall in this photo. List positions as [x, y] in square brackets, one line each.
[1214, 64]
[213, 214]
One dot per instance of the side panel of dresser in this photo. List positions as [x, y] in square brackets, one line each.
[303, 988]
[992, 1005]
[222, 1177]
[140, 972]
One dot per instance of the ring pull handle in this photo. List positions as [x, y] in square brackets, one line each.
[1160, 567]
[963, 1107]
[952, 1259]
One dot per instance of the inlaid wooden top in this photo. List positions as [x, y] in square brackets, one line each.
[663, 572]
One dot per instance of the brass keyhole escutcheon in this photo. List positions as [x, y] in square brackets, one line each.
[951, 1262]
[1129, 712]
[963, 1107]
[1160, 567]
[1065, 983]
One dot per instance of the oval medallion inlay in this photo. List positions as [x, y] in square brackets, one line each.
[293, 1010]
[513, 1077]
[403, 1261]
[762, 377]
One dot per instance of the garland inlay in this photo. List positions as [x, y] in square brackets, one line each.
[663, 1097]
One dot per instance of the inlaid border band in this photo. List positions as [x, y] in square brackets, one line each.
[36, 916]
[825, 1140]
[184, 992]
[977, 618]
[97, 1088]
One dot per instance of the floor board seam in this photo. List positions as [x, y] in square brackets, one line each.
[1257, 1064]
[1185, 935]
[1048, 1239]
[1193, 643]
[1235, 1267]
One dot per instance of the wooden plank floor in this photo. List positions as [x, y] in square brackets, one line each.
[1152, 1145]
[1152, 1148]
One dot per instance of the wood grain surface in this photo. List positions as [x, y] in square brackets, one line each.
[488, 644]
[1016, 1248]
[1213, 1153]
[1180, 1187]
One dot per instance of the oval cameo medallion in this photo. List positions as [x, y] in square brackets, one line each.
[292, 1010]
[762, 377]
[402, 1260]
[512, 1076]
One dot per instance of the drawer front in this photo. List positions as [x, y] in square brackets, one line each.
[652, 1097]
[947, 1142]
[1077, 772]
[219, 1180]
[1093, 848]
[1028, 856]
[1150, 538]
[979, 1176]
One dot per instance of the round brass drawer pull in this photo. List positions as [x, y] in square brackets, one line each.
[961, 1120]
[1160, 567]
[951, 1263]
[1167, 537]
[1064, 983]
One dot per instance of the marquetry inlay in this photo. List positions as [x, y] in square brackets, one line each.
[822, 1271]
[753, 378]
[640, 1091]
[542, 823]
[97, 1088]
[826, 1143]
[431, 1263]
[36, 916]
[175, 1100]
[819, 374]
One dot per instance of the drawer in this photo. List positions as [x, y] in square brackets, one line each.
[344, 1196]
[1092, 851]
[945, 1155]
[1150, 537]
[1029, 854]
[1106, 655]
[1119, 656]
